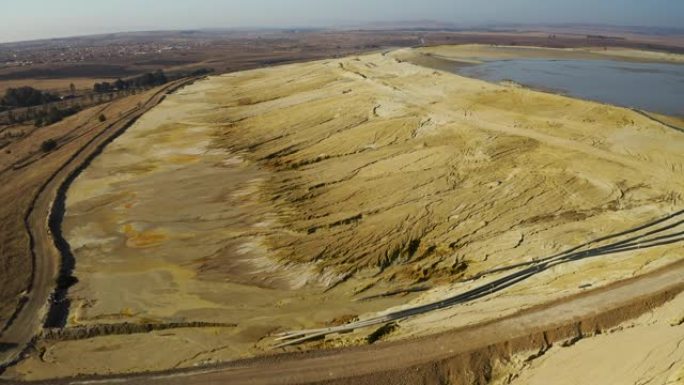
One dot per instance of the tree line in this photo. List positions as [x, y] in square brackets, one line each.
[45, 108]
[147, 80]
[53, 115]
[26, 97]
[150, 79]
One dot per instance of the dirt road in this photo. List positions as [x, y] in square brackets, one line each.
[652, 234]
[459, 356]
[26, 323]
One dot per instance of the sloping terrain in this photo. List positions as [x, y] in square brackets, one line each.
[648, 349]
[310, 195]
[402, 168]
[34, 176]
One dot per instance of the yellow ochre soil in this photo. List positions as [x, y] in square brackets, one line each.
[649, 349]
[294, 197]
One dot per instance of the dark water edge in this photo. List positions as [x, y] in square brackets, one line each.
[655, 87]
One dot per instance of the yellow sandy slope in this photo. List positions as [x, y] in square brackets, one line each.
[279, 198]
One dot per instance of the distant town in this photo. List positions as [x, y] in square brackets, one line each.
[58, 53]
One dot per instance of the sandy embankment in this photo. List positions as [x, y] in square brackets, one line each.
[280, 198]
[649, 349]
[476, 53]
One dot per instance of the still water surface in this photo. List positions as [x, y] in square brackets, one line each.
[656, 87]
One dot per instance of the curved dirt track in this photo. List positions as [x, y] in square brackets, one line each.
[458, 357]
[47, 260]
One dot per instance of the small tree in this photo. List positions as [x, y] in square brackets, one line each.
[48, 145]
[120, 85]
[54, 115]
[102, 118]
[72, 88]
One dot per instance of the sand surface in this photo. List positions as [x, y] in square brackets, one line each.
[475, 53]
[647, 350]
[284, 198]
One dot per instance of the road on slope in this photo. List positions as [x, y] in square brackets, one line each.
[28, 319]
[445, 356]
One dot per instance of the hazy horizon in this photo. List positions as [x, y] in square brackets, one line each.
[43, 19]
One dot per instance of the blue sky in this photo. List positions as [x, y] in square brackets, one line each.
[32, 19]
